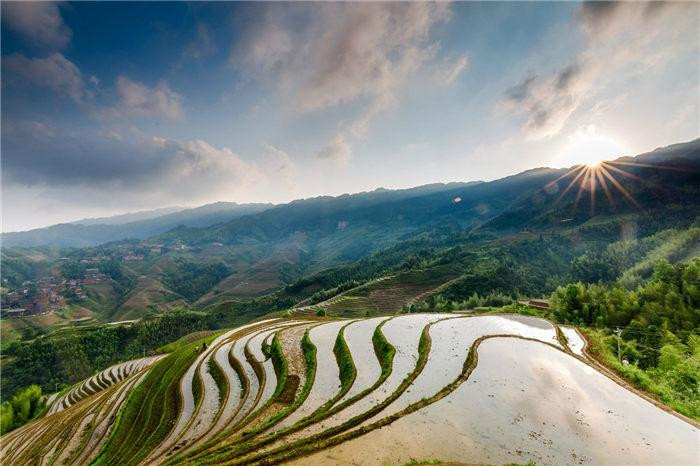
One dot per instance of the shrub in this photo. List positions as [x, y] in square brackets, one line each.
[22, 408]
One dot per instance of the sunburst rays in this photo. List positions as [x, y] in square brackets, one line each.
[589, 177]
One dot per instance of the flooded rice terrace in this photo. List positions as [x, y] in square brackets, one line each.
[528, 402]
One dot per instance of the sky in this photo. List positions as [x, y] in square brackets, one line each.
[110, 108]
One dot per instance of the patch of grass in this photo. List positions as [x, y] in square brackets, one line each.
[309, 350]
[220, 379]
[346, 365]
[150, 412]
[330, 436]
[384, 350]
[657, 383]
[197, 389]
[187, 339]
[279, 362]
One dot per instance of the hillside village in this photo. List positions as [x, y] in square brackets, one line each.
[47, 294]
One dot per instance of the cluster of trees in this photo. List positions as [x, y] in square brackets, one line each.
[659, 341]
[531, 267]
[66, 359]
[669, 300]
[323, 295]
[21, 408]
[437, 303]
[191, 279]
[632, 261]
[21, 264]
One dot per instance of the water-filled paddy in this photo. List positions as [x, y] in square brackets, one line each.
[524, 402]
[451, 340]
[358, 336]
[327, 379]
[574, 340]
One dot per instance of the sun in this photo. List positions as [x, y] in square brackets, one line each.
[590, 148]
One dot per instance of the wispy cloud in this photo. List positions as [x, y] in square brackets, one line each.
[54, 72]
[337, 150]
[39, 23]
[328, 54]
[622, 39]
[450, 70]
[136, 98]
[325, 55]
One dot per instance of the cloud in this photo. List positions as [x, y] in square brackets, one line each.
[597, 16]
[138, 99]
[277, 160]
[54, 72]
[337, 150]
[450, 70]
[325, 55]
[548, 102]
[40, 23]
[126, 168]
[621, 40]
[201, 45]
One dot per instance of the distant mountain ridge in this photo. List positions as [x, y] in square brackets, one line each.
[364, 221]
[92, 234]
[128, 217]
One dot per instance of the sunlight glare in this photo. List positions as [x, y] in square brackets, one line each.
[587, 147]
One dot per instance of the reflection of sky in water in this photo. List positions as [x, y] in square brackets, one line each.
[404, 333]
[451, 340]
[528, 402]
[574, 340]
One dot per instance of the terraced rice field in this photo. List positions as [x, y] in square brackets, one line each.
[385, 390]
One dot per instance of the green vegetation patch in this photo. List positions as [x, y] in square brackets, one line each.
[279, 362]
[330, 436]
[220, 379]
[21, 408]
[192, 279]
[673, 381]
[69, 357]
[384, 350]
[346, 365]
[150, 412]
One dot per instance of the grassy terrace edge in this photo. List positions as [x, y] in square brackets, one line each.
[161, 383]
[296, 449]
[312, 445]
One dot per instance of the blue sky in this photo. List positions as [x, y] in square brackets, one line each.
[115, 107]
